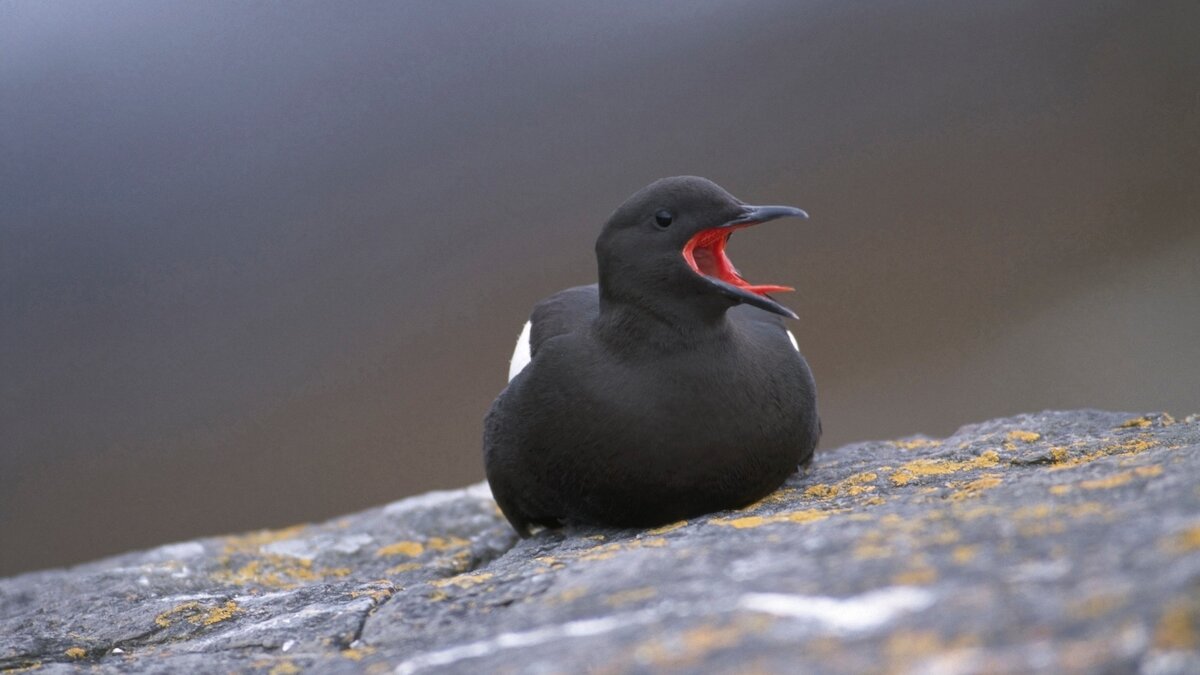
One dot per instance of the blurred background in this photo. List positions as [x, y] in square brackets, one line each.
[263, 263]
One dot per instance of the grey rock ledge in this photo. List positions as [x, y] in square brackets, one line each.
[1056, 542]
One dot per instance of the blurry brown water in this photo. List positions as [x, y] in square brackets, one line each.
[265, 263]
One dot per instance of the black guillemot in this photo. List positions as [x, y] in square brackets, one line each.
[669, 389]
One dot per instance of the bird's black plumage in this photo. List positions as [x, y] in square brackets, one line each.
[669, 389]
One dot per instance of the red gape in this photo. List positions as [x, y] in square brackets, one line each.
[705, 254]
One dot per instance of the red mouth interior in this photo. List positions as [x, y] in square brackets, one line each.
[705, 254]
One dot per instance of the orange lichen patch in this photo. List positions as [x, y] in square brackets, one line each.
[277, 571]
[216, 614]
[284, 668]
[872, 551]
[910, 645]
[596, 537]
[920, 468]
[851, 486]
[1185, 541]
[874, 501]
[1176, 627]
[446, 543]
[568, 595]
[250, 542]
[381, 590]
[411, 549]
[76, 652]
[630, 596]
[1060, 489]
[821, 491]
[963, 554]
[667, 528]
[747, 522]
[916, 443]
[163, 620]
[1038, 520]
[1138, 422]
[1126, 448]
[688, 650]
[969, 489]
[197, 614]
[1115, 480]
[357, 653]
[1096, 605]
[1023, 436]
[1149, 471]
[777, 497]
[462, 580]
[966, 513]
[606, 551]
[920, 575]
[403, 567]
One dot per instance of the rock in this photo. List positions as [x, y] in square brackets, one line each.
[1064, 541]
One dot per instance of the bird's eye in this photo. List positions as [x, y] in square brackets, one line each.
[663, 217]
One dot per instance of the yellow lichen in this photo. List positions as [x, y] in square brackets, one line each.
[446, 543]
[357, 653]
[382, 590]
[668, 528]
[821, 491]
[916, 443]
[568, 595]
[748, 522]
[779, 496]
[284, 668]
[216, 614]
[629, 596]
[916, 576]
[963, 554]
[403, 567]
[1060, 489]
[251, 541]
[872, 551]
[1141, 422]
[1096, 605]
[163, 620]
[919, 468]
[276, 571]
[1149, 471]
[411, 549]
[1023, 436]
[462, 580]
[76, 652]
[1177, 628]
[1186, 541]
[1115, 480]
[974, 488]
[1126, 448]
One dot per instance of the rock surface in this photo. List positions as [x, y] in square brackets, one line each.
[1057, 542]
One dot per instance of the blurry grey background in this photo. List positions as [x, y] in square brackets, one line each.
[262, 263]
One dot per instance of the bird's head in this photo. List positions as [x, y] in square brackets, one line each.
[667, 242]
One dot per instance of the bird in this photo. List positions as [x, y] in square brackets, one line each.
[668, 390]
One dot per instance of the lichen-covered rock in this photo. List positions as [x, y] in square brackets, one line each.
[1056, 542]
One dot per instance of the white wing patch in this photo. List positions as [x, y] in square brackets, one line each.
[520, 357]
[790, 337]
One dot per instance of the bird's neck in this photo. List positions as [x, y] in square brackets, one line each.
[649, 327]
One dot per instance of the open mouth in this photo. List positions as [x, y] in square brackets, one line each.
[705, 254]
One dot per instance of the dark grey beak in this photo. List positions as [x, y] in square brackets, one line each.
[761, 214]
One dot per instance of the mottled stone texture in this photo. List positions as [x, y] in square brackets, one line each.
[1058, 542]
